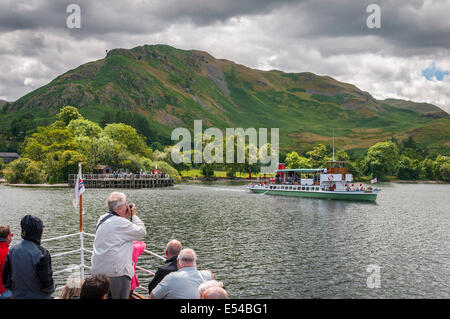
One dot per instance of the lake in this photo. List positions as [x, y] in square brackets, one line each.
[264, 246]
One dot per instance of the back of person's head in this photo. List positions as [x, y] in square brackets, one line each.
[207, 284]
[187, 258]
[95, 287]
[173, 248]
[72, 289]
[5, 230]
[32, 228]
[115, 200]
[215, 293]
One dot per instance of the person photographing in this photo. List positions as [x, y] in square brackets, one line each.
[113, 244]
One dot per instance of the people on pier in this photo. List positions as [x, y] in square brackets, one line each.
[5, 239]
[173, 248]
[113, 244]
[184, 283]
[28, 269]
[72, 289]
[95, 287]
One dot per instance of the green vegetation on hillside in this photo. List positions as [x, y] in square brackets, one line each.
[155, 88]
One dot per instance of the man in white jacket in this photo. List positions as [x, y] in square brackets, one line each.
[113, 244]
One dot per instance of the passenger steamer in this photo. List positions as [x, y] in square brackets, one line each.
[332, 182]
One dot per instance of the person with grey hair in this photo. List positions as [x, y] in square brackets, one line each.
[113, 244]
[173, 248]
[184, 283]
[214, 292]
[208, 284]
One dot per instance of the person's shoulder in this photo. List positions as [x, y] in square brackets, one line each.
[206, 274]
[173, 275]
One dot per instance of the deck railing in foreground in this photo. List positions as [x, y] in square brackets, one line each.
[82, 266]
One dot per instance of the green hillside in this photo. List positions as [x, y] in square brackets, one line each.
[157, 88]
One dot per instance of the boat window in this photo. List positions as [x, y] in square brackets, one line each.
[290, 187]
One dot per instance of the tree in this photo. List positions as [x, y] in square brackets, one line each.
[14, 171]
[48, 140]
[381, 160]
[341, 155]
[408, 168]
[62, 163]
[35, 173]
[318, 156]
[68, 113]
[293, 160]
[444, 171]
[81, 127]
[427, 169]
[178, 166]
[128, 136]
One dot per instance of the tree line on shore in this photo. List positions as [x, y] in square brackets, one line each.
[49, 154]
[384, 160]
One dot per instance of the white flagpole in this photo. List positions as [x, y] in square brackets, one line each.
[81, 229]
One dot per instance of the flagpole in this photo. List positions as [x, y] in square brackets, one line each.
[81, 233]
[81, 213]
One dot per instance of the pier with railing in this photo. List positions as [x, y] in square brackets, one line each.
[123, 180]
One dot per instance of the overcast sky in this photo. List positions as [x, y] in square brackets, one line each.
[408, 57]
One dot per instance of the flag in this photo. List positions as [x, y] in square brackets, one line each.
[373, 180]
[79, 188]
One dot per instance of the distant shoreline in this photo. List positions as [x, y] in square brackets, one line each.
[35, 185]
[199, 180]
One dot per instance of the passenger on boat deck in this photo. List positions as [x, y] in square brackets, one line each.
[5, 239]
[184, 283]
[113, 244]
[28, 267]
[95, 287]
[72, 289]
[215, 293]
[208, 284]
[173, 248]
[138, 248]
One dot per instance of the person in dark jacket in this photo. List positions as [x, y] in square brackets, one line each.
[173, 248]
[28, 268]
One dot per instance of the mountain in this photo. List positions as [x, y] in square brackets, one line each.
[158, 88]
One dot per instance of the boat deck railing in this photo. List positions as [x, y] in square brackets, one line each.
[82, 266]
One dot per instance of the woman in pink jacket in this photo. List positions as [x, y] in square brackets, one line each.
[138, 248]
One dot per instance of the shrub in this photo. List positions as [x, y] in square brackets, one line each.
[14, 171]
[35, 173]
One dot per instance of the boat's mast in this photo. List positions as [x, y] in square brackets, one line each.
[333, 145]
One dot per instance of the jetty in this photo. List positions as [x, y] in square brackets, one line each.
[123, 180]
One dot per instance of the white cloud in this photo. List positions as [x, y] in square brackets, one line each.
[305, 36]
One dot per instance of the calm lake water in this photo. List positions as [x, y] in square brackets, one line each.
[265, 246]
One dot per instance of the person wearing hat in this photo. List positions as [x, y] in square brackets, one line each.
[28, 268]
